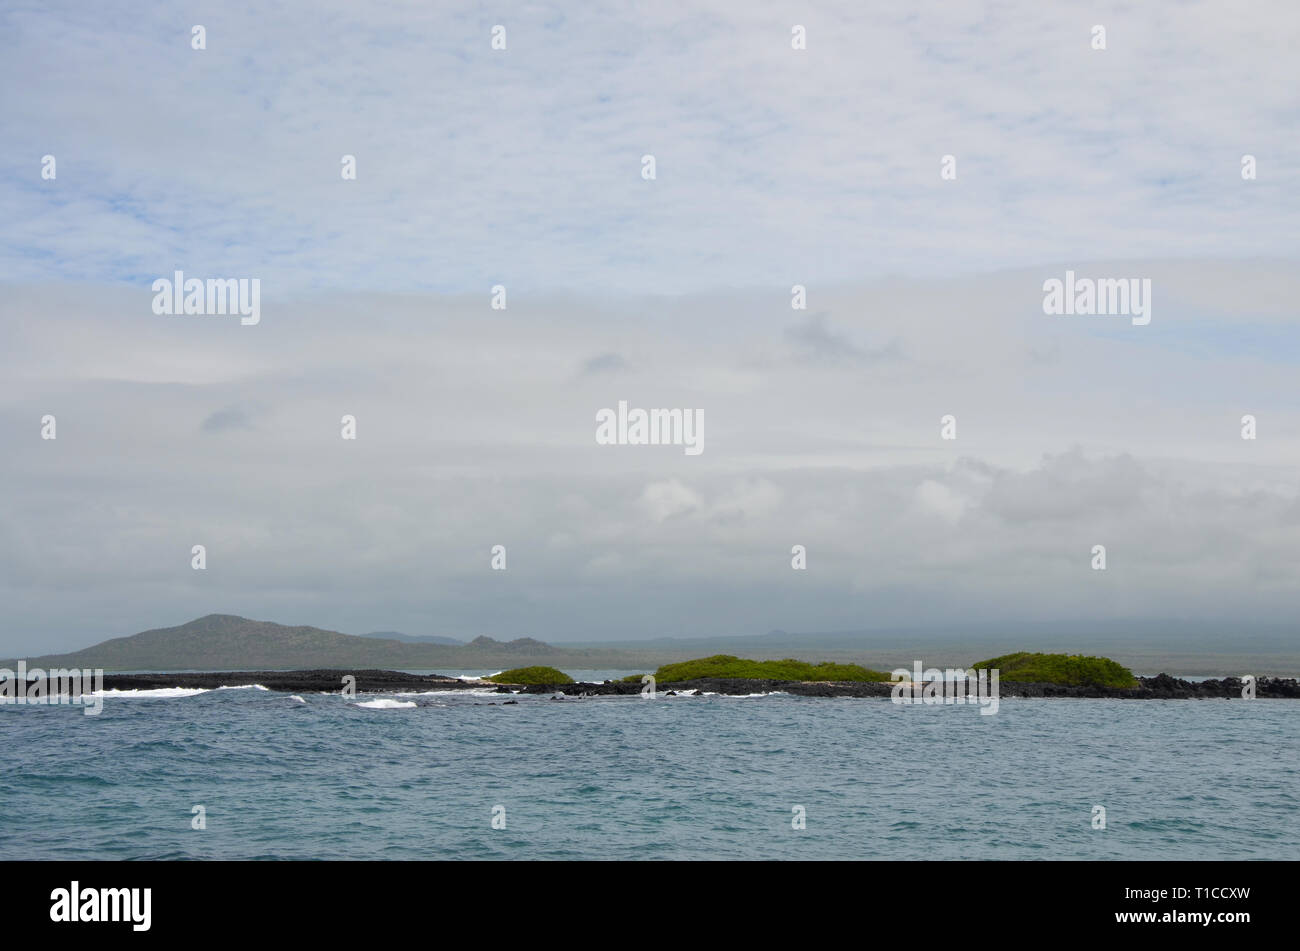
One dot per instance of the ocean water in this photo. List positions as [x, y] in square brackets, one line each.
[418, 777]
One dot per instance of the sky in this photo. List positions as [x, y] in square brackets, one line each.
[522, 167]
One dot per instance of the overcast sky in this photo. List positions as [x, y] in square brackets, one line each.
[523, 167]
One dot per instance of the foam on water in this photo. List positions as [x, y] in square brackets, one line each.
[385, 703]
[158, 693]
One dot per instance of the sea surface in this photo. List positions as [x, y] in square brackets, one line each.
[421, 776]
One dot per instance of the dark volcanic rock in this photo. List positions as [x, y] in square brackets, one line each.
[289, 681]
[1161, 687]
[1228, 688]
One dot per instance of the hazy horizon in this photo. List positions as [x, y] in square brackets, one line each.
[1156, 636]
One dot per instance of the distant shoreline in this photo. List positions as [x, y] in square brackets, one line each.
[1160, 687]
[226, 642]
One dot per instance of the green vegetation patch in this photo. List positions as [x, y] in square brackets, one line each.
[531, 675]
[724, 665]
[1073, 670]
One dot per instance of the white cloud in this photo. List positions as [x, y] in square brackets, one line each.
[669, 499]
[522, 167]
[775, 168]
[473, 430]
[935, 498]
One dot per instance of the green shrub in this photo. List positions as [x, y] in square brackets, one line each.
[1074, 670]
[724, 665]
[531, 675]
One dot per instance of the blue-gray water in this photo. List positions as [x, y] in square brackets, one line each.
[673, 777]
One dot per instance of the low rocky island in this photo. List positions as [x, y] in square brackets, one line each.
[1161, 687]
[1021, 674]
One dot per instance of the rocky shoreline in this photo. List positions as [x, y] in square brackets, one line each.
[1161, 687]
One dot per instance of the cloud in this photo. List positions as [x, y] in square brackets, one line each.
[522, 166]
[670, 499]
[604, 363]
[938, 499]
[231, 417]
[473, 431]
[814, 341]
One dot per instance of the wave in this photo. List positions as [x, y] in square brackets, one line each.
[164, 693]
[158, 693]
[297, 698]
[383, 703]
[479, 692]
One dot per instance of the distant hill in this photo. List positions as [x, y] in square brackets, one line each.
[414, 638]
[229, 642]
[522, 645]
